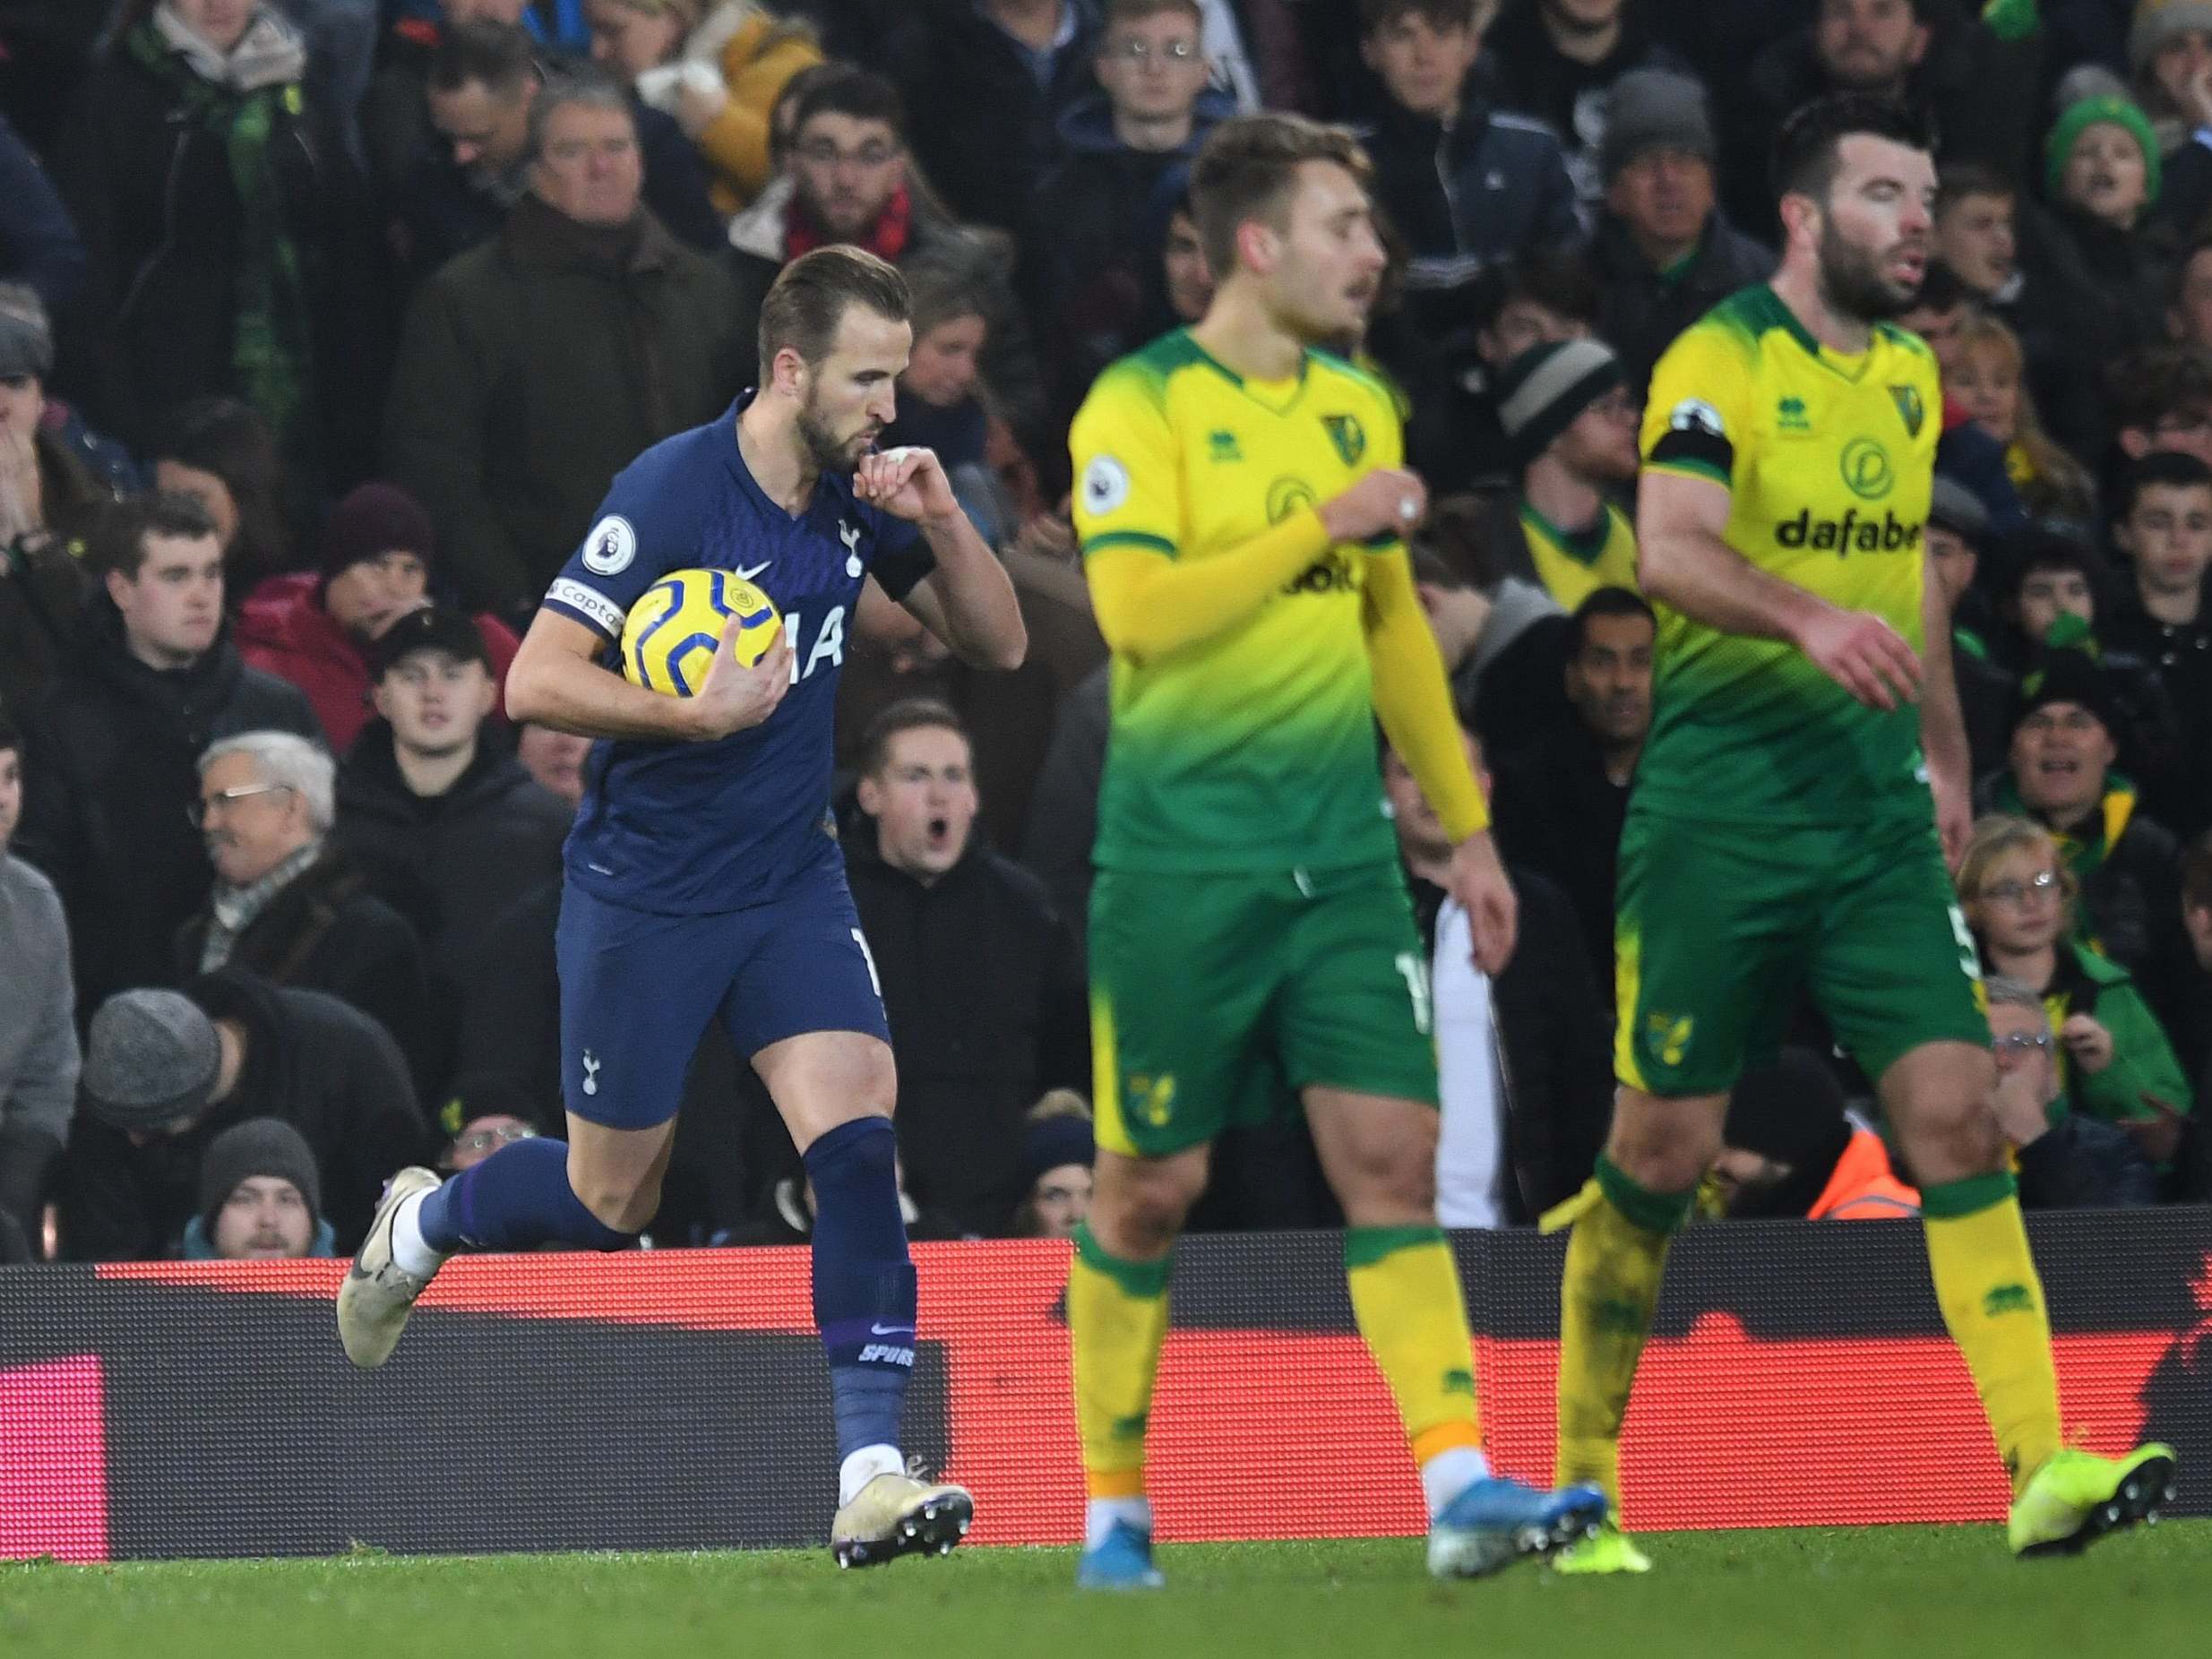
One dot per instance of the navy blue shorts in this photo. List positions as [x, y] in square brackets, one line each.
[637, 990]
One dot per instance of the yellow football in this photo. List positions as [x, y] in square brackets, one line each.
[668, 642]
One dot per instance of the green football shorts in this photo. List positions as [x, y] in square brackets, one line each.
[1214, 998]
[1718, 930]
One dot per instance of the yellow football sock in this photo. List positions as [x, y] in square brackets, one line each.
[1406, 1297]
[1117, 1321]
[1614, 1257]
[1992, 1301]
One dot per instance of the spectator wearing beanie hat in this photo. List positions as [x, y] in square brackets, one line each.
[1664, 251]
[1572, 427]
[314, 628]
[2103, 176]
[167, 1072]
[261, 1198]
[1057, 1151]
[2062, 775]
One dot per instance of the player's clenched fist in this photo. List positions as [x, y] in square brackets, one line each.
[735, 697]
[907, 482]
[1863, 654]
[1388, 501]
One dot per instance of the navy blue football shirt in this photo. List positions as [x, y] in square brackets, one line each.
[678, 828]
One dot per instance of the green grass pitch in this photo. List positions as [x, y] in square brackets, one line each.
[1947, 1593]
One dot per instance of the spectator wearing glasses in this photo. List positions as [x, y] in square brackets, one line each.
[483, 1112]
[1095, 227]
[846, 161]
[2066, 1161]
[2113, 1057]
[288, 903]
[114, 740]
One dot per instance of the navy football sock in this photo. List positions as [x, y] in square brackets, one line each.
[517, 1198]
[864, 1280]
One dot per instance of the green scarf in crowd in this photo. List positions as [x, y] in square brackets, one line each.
[241, 100]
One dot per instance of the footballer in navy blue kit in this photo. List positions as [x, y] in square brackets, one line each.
[703, 876]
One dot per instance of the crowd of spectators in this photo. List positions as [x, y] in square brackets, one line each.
[324, 325]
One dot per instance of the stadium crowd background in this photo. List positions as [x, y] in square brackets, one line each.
[325, 325]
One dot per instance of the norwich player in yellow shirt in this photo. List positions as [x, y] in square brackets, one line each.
[1805, 778]
[1241, 507]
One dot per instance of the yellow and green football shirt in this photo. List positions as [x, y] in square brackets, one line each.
[1573, 567]
[1254, 749]
[1830, 459]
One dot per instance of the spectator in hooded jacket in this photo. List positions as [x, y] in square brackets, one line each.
[980, 979]
[433, 805]
[167, 1072]
[316, 628]
[114, 742]
[261, 1198]
[1468, 185]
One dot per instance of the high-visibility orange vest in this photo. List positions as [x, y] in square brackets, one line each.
[1864, 1188]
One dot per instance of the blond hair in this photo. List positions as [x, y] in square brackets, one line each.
[1996, 838]
[2061, 483]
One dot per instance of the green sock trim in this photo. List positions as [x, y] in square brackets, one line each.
[1144, 1279]
[1365, 1246]
[1654, 1212]
[1970, 1197]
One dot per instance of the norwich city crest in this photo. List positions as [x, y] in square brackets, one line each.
[1909, 407]
[1348, 435]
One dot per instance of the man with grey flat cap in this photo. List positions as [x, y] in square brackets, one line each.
[166, 1072]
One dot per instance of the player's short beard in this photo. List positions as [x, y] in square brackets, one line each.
[825, 450]
[1852, 282]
